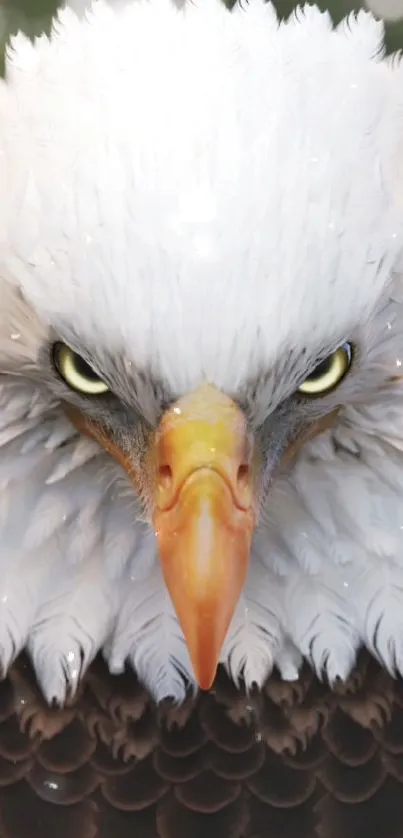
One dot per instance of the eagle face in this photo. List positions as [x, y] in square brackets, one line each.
[200, 345]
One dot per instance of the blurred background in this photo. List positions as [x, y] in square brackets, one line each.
[34, 16]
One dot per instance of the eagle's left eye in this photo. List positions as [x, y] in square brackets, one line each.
[76, 372]
[329, 373]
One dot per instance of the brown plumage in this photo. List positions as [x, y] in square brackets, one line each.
[295, 759]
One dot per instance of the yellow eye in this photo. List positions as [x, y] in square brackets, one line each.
[329, 373]
[76, 372]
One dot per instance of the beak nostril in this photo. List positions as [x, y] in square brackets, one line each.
[165, 476]
[243, 476]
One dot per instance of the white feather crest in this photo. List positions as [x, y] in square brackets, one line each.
[183, 168]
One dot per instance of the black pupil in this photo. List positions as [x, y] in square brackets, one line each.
[321, 370]
[84, 369]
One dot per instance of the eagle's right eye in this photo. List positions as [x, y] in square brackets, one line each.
[329, 373]
[76, 373]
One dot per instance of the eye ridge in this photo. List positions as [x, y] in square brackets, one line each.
[76, 372]
[329, 373]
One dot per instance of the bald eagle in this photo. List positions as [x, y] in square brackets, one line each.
[201, 346]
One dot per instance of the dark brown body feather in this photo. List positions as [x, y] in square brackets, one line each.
[293, 761]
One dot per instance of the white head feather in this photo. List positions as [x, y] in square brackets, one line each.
[204, 194]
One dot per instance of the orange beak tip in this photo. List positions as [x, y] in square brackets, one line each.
[204, 558]
[204, 681]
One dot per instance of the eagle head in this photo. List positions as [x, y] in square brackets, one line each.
[201, 338]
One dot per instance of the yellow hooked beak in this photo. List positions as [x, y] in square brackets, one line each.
[204, 478]
[204, 517]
